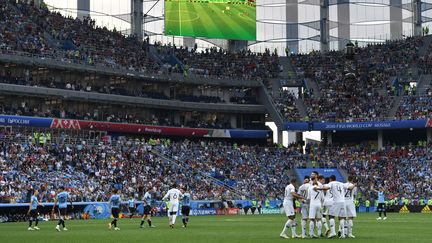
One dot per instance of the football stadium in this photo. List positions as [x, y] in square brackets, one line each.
[218, 121]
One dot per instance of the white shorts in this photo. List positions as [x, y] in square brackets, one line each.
[173, 207]
[350, 209]
[305, 211]
[289, 208]
[315, 211]
[326, 207]
[338, 209]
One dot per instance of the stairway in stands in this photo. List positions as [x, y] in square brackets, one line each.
[424, 84]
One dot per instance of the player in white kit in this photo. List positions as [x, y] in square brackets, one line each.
[350, 206]
[338, 207]
[288, 204]
[174, 195]
[315, 204]
[328, 202]
[304, 208]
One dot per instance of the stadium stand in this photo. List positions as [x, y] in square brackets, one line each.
[359, 89]
[90, 170]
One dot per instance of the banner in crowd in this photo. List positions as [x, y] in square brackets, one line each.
[271, 211]
[57, 123]
[25, 121]
[229, 211]
[429, 122]
[203, 211]
[410, 209]
[351, 126]
[98, 210]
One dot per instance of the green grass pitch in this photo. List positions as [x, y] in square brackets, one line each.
[248, 229]
[216, 19]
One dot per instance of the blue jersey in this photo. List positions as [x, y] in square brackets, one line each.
[62, 199]
[381, 197]
[115, 201]
[186, 199]
[147, 199]
[34, 202]
[131, 203]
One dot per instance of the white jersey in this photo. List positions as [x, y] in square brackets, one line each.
[328, 196]
[350, 194]
[303, 191]
[338, 191]
[288, 193]
[173, 195]
[316, 197]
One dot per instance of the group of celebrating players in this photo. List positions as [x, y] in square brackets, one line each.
[321, 197]
[174, 196]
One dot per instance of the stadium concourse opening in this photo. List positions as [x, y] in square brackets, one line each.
[223, 19]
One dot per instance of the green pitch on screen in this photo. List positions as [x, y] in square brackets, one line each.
[222, 19]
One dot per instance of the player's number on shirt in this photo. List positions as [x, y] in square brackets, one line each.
[317, 194]
[348, 194]
[175, 196]
[303, 192]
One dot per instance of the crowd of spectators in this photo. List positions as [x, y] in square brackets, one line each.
[91, 171]
[86, 86]
[285, 102]
[35, 30]
[25, 109]
[415, 107]
[219, 63]
[357, 89]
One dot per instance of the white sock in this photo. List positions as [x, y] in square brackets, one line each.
[324, 222]
[350, 226]
[293, 228]
[170, 219]
[332, 226]
[303, 225]
[319, 227]
[342, 226]
[311, 228]
[286, 226]
[174, 218]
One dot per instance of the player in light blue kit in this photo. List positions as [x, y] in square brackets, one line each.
[62, 199]
[147, 206]
[381, 203]
[114, 203]
[185, 209]
[33, 213]
[132, 206]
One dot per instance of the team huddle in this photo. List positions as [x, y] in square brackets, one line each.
[174, 196]
[321, 197]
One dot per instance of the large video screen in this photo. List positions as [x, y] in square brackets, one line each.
[222, 19]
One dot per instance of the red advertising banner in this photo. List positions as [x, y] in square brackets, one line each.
[230, 211]
[143, 129]
[429, 122]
